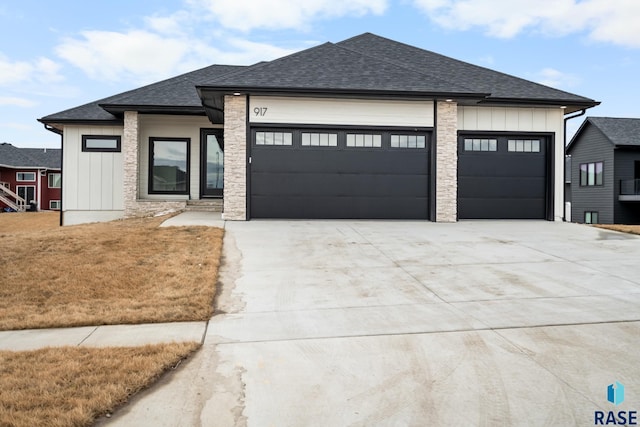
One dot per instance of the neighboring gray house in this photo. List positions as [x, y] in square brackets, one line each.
[364, 128]
[605, 171]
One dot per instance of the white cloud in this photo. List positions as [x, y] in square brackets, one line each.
[109, 55]
[12, 72]
[558, 79]
[246, 15]
[16, 102]
[40, 70]
[604, 20]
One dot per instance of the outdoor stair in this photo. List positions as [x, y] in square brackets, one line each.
[12, 200]
[206, 205]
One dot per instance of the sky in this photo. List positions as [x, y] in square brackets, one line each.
[56, 55]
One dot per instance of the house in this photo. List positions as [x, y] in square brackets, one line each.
[364, 128]
[605, 171]
[29, 175]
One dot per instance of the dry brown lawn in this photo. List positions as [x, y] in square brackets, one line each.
[128, 271]
[632, 229]
[72, 386]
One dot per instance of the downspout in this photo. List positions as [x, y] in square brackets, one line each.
[564, 160]
[59, 132]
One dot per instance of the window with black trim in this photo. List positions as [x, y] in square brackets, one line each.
[524, 146]
[318, 139]
[408, 141]
[101, 143]
[55, 180]
[274, 138]
[364, 140]
[591, 217]
[591, 174]
[478, 144]
[169, 165]
[26, 176]
[54, 205]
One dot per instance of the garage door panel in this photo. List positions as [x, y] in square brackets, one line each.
[492, 187]
[501, 208]
[337, 161]
[509, 166]
[303, 184]
[331, 207]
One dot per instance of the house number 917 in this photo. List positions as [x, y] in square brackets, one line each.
[260, 111]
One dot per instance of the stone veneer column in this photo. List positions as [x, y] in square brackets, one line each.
[235, 158]
[447, 162]
[130, 160]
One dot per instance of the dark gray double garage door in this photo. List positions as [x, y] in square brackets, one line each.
[385, 174]
[327, 173]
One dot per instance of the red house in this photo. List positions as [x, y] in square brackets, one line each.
[30, 178]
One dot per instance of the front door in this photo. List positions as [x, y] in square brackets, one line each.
[27, 192]
[212, 163]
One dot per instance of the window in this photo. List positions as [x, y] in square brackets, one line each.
[55, 180]
[25, 176]
[408, 141]
[169, 165]
[591, 174]
[319, 139]
[364, 140]
[54, 205]
[480, 145]
[101, 143]
[591, 217]
[524, 145]
[274, 138]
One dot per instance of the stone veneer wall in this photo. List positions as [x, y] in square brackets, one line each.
[235, 158]
[134, 207]
[447, 162]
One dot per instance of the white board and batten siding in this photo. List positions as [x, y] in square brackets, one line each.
[340, 112]
[516, 119]
[166, 126]
[93, 181]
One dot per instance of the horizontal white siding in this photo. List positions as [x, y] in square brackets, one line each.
[171, 127]
[326, 111]
[512, 119]
[92, 181]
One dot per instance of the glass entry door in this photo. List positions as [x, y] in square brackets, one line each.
[212, 163]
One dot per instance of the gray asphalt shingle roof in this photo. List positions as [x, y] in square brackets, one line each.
[620, 131]
[49, 158]
[365, 63]
[434, 65]
[332, 67]
[176, 92]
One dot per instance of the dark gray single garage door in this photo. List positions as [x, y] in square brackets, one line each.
[327, 173]
[502, 177]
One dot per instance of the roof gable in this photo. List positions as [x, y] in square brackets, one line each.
[621, 132]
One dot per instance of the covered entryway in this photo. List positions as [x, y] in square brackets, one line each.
[339, 173]
[502, 177]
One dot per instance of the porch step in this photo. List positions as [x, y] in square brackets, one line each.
[207, 205]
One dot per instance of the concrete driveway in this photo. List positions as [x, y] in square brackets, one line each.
[335, 323]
